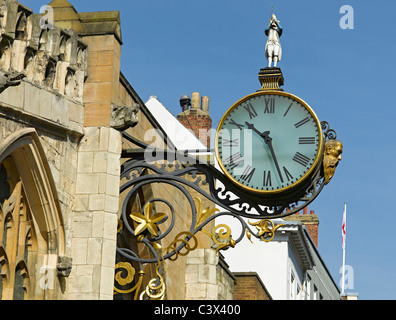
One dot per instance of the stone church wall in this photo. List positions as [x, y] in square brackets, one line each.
[49, 98]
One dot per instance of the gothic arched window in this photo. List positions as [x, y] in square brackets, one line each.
[31, 226]
[17, 240]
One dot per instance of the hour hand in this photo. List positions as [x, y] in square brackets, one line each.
[264, 135]
[252, 127]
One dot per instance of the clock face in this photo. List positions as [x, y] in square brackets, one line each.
[269, 142]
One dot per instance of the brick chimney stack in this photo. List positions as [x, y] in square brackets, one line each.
[196, 118]
[311, 221]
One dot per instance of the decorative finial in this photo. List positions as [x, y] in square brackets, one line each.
[273, 49]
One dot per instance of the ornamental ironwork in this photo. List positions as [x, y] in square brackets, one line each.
[143, 224]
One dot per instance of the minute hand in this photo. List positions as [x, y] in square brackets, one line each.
[268, 141]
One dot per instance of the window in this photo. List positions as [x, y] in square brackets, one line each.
[292, 286]
[298, 292]
[16, 240]
[30, 218]
[308, 287]
[315, 293]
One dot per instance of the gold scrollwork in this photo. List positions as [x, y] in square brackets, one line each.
[156, 287]
[153, 291]
[203, 214]
[120, 225]
[130, 273]
[223, 238]
[122, 281]
[182, 245]
[181, 239]
[266, 233]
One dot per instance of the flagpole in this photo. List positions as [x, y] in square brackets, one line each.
[343, 271]
[343, 250]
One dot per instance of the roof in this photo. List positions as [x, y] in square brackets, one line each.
[182, 138]
[299, 242]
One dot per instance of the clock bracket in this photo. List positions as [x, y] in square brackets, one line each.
[194, 171]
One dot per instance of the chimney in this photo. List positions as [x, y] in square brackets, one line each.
[350, 296]
[185, 103]
[205, 104]
[196, 118]
[311, 221]
[195, 101]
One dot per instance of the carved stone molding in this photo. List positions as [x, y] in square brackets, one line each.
[64, 266]
[10, 79]
[124, 117]
[45, 55]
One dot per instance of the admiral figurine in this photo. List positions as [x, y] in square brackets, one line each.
[273, 49]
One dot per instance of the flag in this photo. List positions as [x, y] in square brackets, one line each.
[344, 228]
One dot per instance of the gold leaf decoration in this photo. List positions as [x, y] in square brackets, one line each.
[130, 273]
[223, 238]
[203, 214]
[148, 220]
[249, 235]
[266, 233]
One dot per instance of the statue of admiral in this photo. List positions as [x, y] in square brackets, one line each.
[273, 49]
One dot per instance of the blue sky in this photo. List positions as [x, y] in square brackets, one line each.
[216, 47]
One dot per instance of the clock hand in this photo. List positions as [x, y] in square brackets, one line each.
[268, 141]
[252, 127]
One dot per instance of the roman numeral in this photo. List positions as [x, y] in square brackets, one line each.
[248, 174]
[287, 111]
[230, 143]
[310, 140]
[301, 159]
[302, 122]
[234, 161]
[233, 123]
[289, 177]
[267, 182]
[269, 105]
[252, 112]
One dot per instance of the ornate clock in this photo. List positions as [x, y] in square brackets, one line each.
[270, 143]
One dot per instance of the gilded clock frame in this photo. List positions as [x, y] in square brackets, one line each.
[298, 185]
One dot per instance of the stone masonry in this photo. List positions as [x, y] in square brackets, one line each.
[207, 277]
[72, 80]
[95, 218]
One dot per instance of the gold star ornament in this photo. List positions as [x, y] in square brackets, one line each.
[148, 220]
